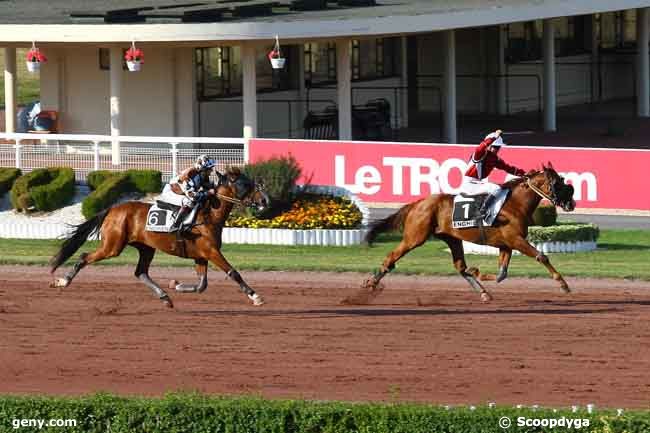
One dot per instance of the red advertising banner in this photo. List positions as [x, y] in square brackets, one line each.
[381, 172]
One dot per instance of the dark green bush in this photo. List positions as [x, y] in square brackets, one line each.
[196, 413]
[106, 194]
[279, 176]
[146, 181]
[43, 189]
[96, 178]
[545, 215]
[564, 233]
[7, 178]
[108, 186]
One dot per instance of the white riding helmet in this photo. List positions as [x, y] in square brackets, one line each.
[205, 162]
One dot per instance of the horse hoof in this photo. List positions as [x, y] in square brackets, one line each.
[370, 283]
[257, 299]
[565, 288]
[59, 282]
[486, 297]
[167, 301]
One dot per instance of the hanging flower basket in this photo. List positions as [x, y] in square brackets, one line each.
[134, 58]
[34, 59]
[275, 56]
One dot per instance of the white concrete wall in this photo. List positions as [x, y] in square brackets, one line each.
[156, 101]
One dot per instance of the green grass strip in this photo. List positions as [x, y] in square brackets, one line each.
[621, 254]
[179, 413]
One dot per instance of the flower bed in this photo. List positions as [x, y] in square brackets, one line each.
[562, 238]
[311, 211]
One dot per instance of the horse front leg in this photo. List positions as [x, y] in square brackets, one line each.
[505, 254]
[202, 272]
[220, 261]
[458, 257]
[526, 248]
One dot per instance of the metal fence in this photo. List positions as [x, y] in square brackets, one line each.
[86, 153]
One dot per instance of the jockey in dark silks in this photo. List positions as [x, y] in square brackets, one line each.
[485, 159]
[189, 189]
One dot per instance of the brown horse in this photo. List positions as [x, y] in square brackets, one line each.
[124, 225]
[433, 216]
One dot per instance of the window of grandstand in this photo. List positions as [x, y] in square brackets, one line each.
[616, 30]
[370, 59]
[219, 72]
[320, 63]
[572, 37]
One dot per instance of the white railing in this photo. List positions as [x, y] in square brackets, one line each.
[86, 153]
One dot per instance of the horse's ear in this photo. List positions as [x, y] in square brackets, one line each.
[550, 165]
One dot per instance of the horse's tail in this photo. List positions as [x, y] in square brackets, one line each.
[73, 242]
[392, 222]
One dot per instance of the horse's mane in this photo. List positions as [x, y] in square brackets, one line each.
[519, 180]
[233, 171]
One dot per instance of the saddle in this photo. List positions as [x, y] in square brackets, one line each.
[466, 209]
[167, 206]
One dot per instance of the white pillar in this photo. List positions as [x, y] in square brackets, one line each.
[449, 72]
[549, 77]
[502, 81]
[344, 88]
[249, 89]
[643, 63]
[10, 90]
[404, 93]
[116, 94]
[301, 108]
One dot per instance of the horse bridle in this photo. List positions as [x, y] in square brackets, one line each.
[539, 191]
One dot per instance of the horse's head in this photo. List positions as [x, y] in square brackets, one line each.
[553, 185]
[246, 191]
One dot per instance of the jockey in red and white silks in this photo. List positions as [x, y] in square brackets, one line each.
[485, 159]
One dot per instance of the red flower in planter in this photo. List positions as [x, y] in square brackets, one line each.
[134, 55]
[34, 55]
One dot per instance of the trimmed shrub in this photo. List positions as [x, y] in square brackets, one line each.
[43, 189]
[563, 233]
[108, 186]
[7, 178]
[545, 215]
[145, 181]
[96, 178]
[106, 194]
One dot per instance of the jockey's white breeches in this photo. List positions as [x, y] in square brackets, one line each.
[474, 186]
[169, 196]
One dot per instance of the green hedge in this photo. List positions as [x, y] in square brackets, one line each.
[7, 178]
[545, 215]
[563, 233]
[195, 413]
[44, 189]
[108, 186]
[144, 181]
[107, 194]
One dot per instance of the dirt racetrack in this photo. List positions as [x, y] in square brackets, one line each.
[424, 339]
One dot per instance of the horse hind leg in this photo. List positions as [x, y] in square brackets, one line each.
[69, 276]
[202, 272]
[107, 249]
[142, 273]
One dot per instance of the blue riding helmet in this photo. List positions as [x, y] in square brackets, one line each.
[204, 162]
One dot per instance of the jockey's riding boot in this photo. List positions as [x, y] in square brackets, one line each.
[178, 222]
[485, 207]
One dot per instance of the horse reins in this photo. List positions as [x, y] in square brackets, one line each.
[539, 191]
[226, 198]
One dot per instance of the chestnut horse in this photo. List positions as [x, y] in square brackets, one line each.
[433, 216]
[124, 225]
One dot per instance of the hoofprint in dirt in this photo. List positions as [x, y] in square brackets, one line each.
[423, 339]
